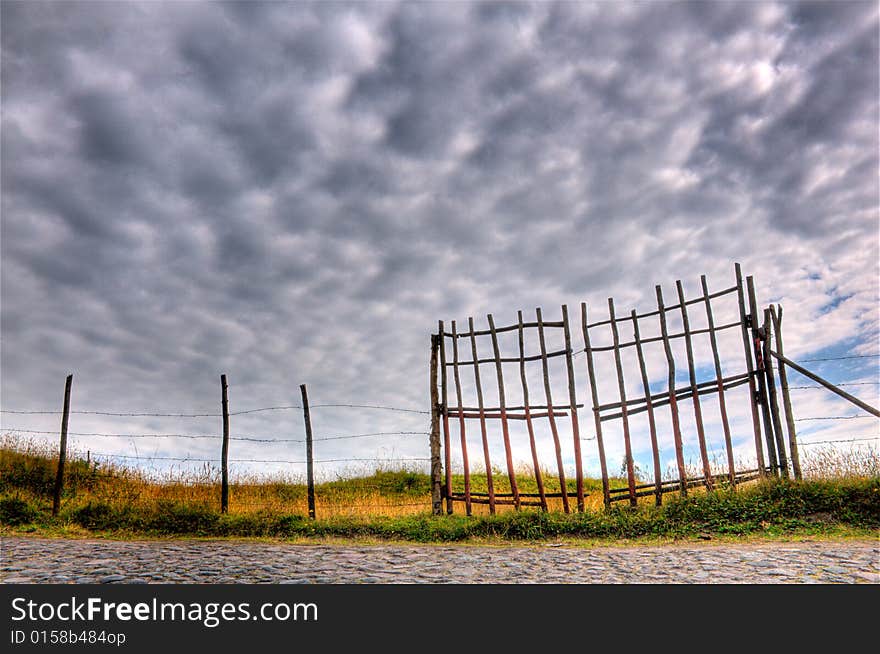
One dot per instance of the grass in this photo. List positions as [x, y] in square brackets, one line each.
[837, 497]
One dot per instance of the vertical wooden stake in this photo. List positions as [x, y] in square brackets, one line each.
[575, 423]
[563, 485]
[673, 400]
[539, 479]
[722, 403]
[594, 392]
[224, 456]
[621, 387]
[771, 396]
[502, 405]
[444, 399]
[762, 377]
[776, 315]
[62, 449]
[461, 423]
[649, 405]
[490, 482]
[695, 396]
[753, 391]
[436, 466]
[310, 462]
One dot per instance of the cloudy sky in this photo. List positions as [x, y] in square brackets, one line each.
[295, 193]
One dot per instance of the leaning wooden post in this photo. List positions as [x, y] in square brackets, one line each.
[673, 400]
[224, 457]
[436, 466]
[776, 316]
[753, 391]
[762, 377]
[621, 387]
[774, 403]
[444, 400]
[310, 467]
[62, 449]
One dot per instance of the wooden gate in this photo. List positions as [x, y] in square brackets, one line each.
[576, 362]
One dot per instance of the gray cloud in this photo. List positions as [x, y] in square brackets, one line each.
[296, 193]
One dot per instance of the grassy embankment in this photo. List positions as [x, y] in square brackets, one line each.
[841, 496]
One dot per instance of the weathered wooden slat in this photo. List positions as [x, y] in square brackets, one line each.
[509, 416]
[719, 377]
[436, 465]
[444, 396]
[558, 407]
[550, 416]
[673, 403]
[461, 424]
[539, 480]
[482, 416]
[505, 432]
[776, 316]
[652, 425]
[763, 400]
[681, 393]
[591, 372]
[671, 307]
[739, 380]
[656, 339]
[621, 387]
[692, 375]
[535, 357]
[508, 328]
[771, 397]
[575, 423]
[747, 351]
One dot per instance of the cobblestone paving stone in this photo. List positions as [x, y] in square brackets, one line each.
[50, 561]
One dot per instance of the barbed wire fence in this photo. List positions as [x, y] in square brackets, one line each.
[109, 464]
[113, 458]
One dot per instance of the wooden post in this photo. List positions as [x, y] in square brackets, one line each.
[771, 396]
[762, 377]
[572, 400]
[436, 466]
[563, 484]
[461, 424]
[753, 391]
[673, 400]
[310, 471]
[594, 392]
[62, 448]
[731, 470]
[695, 396]
[444, 399]
[621, 386]
[505, 433]
[490, 482]
[539, 480]
[776, 316]
[649, 406]
[224, 456]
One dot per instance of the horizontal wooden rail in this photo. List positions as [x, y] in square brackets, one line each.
[654, 339]
[678, 392]
[555, 407]
[508, 416]
[511, 328]
[666, 309]
[535, 357]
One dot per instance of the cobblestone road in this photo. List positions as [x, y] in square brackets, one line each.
[41, 560]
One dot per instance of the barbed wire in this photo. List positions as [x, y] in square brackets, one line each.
[200, 460]
[146, 414]
[854, 356]
[839, 440]
[832, 418]
[253, 439]
[791, 388]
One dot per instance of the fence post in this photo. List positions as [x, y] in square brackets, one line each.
[224, 458]
[762, 377]
[776, 315]
[310, 473]
[774, 402]
[62, 450]
[436, 465]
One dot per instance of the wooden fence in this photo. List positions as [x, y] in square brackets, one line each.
[457, 351]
